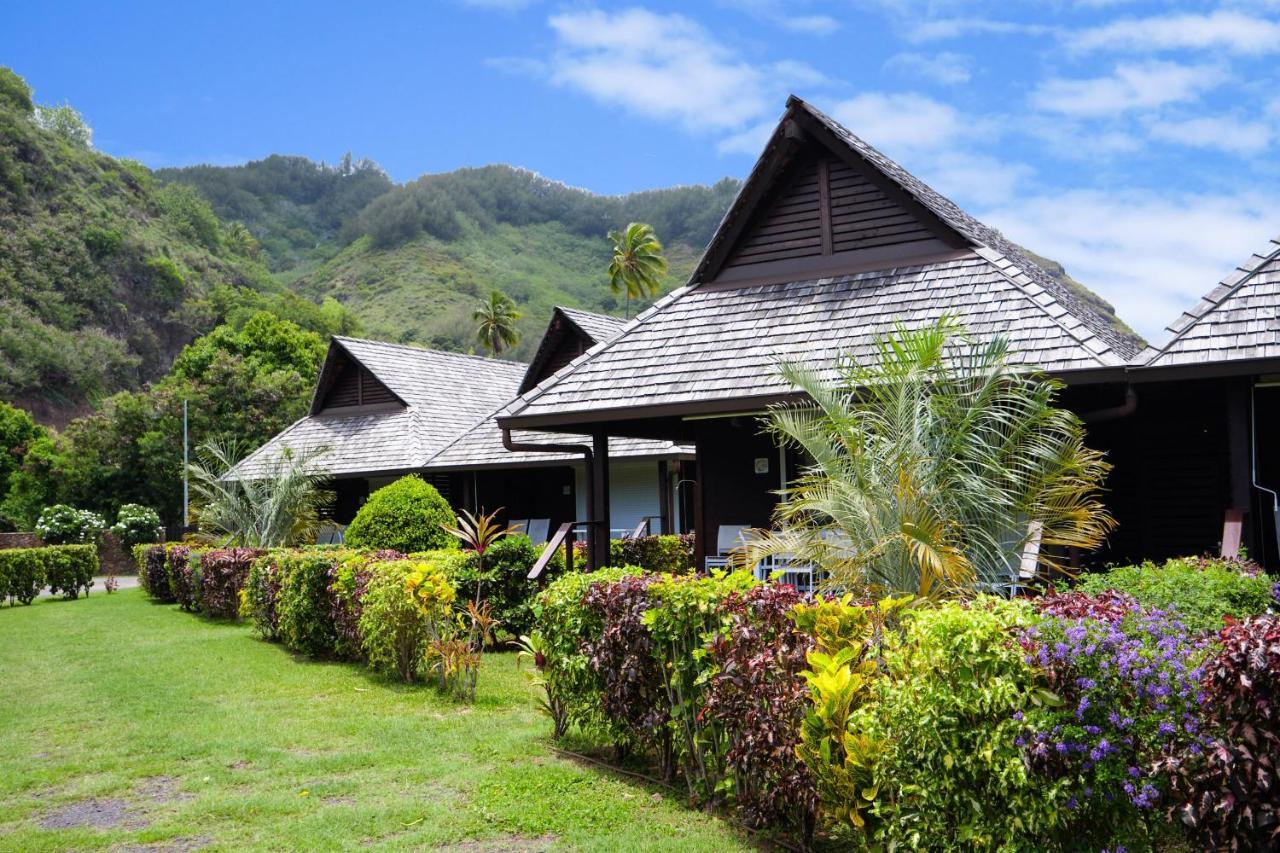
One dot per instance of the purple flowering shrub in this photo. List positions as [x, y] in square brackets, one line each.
[1130, 693]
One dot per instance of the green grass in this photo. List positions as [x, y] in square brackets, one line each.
[114, 698]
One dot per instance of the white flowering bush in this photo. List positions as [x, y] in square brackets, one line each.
[137, 525]
[65, 525]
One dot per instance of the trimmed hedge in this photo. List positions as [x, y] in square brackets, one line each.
[1202, 590]
[670, 554]
[66, 569]
[223, 574]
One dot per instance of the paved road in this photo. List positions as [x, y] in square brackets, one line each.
[125, 582]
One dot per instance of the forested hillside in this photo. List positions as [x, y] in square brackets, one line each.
[104, 273]
[412, 262]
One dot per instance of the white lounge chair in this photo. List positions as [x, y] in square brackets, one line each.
[729, 537]
[538, 530]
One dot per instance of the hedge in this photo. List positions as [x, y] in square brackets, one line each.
[223, 574]
[66, 569]
[672, 554]
[408, 515]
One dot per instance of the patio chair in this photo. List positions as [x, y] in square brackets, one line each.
[538, 530]
[518, 525]
[728, 538]
[330, 534]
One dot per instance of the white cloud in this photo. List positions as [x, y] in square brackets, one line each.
[940, 29]
[901, 121]
[668, 67]
[947, 68]
[1225, 30]
[1130, 87]
[1150, 256]
[818, 25]
[1223, 133]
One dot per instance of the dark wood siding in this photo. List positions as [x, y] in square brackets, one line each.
[571, 345]
[824, 207]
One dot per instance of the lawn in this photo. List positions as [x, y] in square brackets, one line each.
[129, 724]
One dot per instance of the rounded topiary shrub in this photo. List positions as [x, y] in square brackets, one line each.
[406, 516]
[137, 525]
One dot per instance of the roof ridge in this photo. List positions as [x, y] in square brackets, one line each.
[1082, 340]
[1242, 274]
[537, 390]
[430, 351]
[973, 229]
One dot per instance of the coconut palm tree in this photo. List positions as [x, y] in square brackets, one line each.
[930, 468]
[638, 265]
[496, 318]
[279, 506]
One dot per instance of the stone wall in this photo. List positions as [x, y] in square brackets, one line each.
[19, 540]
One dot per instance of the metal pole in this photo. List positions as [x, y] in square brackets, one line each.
[186, 517]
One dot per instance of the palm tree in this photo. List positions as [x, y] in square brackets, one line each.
[497, 318]
[638, 265]
[281, 506]
[931, 467]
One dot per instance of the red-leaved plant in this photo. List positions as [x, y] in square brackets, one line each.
[633, 693]
[760, 700]
[1229, 788]
[1107, 606]
[223, 573]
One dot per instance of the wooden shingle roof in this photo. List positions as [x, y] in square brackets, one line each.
[1238, 320]
[443, 419]
[715, 344]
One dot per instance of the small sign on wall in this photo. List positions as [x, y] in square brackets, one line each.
[762, 465]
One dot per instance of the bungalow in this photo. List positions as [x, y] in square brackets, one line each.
[383, 410]
[828, 244]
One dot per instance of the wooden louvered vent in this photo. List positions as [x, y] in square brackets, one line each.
[356, 386]
[825, 207]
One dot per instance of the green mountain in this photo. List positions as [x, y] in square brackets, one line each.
[104, 273]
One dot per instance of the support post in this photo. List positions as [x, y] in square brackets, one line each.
[1240, 475]
[699, 529]
[598, 532]
[664, 497]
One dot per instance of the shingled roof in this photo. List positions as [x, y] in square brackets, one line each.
[568, 326]
[1238, 320]
[442, 420]
[714, 345]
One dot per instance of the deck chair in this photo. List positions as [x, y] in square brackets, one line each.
[330, 534]
[538, 530]
[518, 525]
[728, 538]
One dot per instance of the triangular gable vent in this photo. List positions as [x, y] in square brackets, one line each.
[823, 207]
[354, 385]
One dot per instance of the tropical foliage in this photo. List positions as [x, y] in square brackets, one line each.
[279, 506]
[932, 466]
[495, 319]
[637, 267]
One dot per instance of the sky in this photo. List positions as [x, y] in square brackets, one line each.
[1134, 142]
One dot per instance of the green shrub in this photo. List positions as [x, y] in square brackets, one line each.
[1202, 591]
[504, 583]
[303, 608]
[261, 595]
[15, 94]
[943, 720]
[137, 524]
[22, 574]
[406, 605]
[670, 554]
[563, 623]
[65, 525]
[406, 516]
[70, 568]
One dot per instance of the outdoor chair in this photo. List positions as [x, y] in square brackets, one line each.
[518, 525]
[538, 530]
[330, 534]
[729, 537]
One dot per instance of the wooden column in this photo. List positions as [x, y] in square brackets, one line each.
[699, 531]
[664, 498]
[598, 532]
[1240, 455]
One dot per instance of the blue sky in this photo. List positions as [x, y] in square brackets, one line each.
[1135, 142]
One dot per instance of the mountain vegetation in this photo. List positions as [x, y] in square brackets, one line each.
[105, 273]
